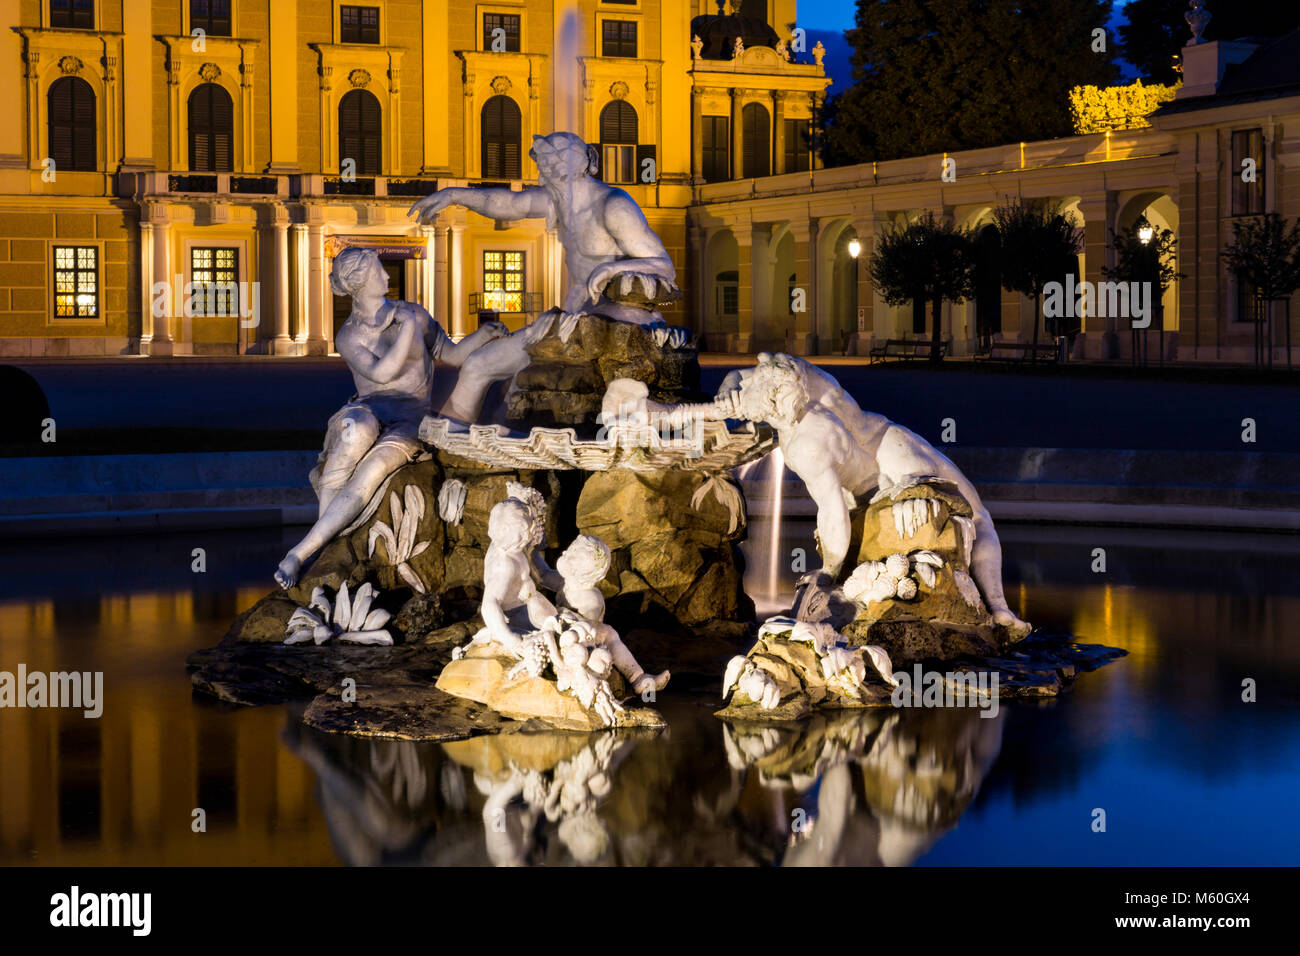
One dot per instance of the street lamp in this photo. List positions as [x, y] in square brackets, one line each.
[855, 248]
[1145, 234]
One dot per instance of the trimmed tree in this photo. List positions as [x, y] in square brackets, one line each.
[1266, 254]
[929, 260]
[1151, 261]
[1037, 237]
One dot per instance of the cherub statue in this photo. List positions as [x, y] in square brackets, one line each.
[843, 453]
[514, 609]
[390, 347]
[582, 566]
[604, 234]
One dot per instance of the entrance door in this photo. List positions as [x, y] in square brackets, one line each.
[396, 269]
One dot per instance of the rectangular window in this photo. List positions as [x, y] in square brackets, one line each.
[618, 164]
[503, 280]
[215, 274]
[76, 282]
[501, 32]
[74, 14]
[1247, 197]
[618, 38]
[798, 152]
[210, 16]
[359, 24]
[717, 148]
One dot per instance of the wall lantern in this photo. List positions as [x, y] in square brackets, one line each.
[855, 248]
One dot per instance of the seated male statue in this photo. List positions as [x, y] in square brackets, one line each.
[604, 234]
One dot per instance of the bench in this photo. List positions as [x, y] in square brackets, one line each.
[907, 349]
[1019, 352]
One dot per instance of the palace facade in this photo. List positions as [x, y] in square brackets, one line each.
[176, 175]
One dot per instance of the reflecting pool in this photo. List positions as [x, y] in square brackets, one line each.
[1161, 740]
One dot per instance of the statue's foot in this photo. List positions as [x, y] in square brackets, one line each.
[1017, 627]
[648, 682]
[286, 575]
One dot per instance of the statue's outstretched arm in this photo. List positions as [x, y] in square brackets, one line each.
[496, 203]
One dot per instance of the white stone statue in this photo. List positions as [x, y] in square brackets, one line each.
[697, 47]
[843, 453]
[582, 566]
[604, 233]
[819, 52]
[390, 347]
[737, 48]
[513, 607]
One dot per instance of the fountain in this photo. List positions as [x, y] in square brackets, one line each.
[431, 610]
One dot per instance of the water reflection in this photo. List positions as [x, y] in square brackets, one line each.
[1162, 739]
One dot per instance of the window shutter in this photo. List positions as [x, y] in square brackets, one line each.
[222, 130]
[360, 131]
[500, 132]
[755, 142]
[71, 105]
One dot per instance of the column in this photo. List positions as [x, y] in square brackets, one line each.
[317, 342]
[763, 309]
[439, 274]
[743, 340]
[161, 343]
[696, 171]
[146, 286]
[802, 336]
[428, 289]
[778, 132]
[137, 82]
[13, 96]
[283, 344]
[456, 284]
[301, 285]
[1098, 211]
[737, 137]
[283, 59]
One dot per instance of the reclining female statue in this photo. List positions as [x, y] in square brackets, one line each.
[390, 347]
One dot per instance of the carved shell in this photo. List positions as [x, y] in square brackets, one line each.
[359, 78]
[70, 64]
[618, 89]
[501, 85]
[209, 72]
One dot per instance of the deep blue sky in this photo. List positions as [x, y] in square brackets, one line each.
[838, 14]
[826, 20]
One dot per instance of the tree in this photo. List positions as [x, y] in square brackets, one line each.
[1266, 254]
[928, 260]
[1037, 239]
[1156, 31]
[1145, 260]
[943, 75]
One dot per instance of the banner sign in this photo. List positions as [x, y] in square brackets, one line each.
[387, 247]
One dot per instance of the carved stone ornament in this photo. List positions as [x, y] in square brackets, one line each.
[501, 85]
[359, 78]
[70, 64]
[618, 89]
[209, 72]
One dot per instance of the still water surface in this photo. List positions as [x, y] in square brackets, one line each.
[1160, 740]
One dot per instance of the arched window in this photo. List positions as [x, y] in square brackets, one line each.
[618, 132]
[757, 151]
[212, 127]
[72, 124]
[360, 132]
[501, 125]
